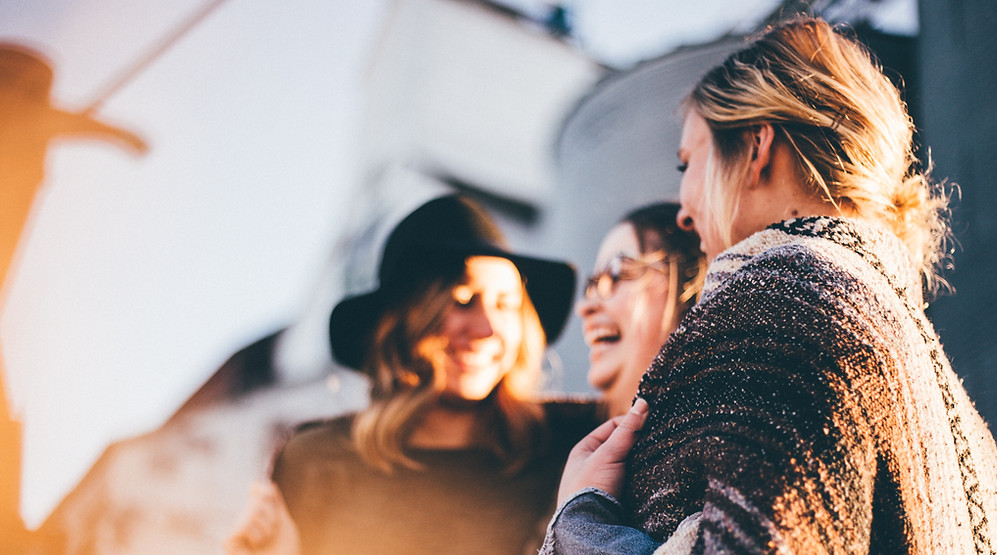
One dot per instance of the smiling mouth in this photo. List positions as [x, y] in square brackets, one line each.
[602, 336]
[476, 362]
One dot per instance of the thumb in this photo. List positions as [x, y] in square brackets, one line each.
[618, 445]
[636, 416]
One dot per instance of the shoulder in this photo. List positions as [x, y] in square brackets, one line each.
[794, 264]
[799, 298]
[797, 302]
[327, 428]
[790, 280]
[782, 281]
[316, 459]
[836, 256]
[316, 440]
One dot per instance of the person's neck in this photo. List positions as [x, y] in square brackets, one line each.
[779, 202]
[781, 194]
[447, 427]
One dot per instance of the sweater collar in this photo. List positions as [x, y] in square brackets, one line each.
[875, 245]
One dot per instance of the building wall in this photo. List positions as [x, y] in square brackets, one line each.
[456, 110]
[460, 90]
[957, 57]
[460, 96]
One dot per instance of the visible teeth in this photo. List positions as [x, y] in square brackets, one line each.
[476, 359]
[602, 334]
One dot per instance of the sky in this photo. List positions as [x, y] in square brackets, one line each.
[142, 274]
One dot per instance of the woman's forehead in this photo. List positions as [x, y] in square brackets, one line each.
[486, 270]
[621, 239]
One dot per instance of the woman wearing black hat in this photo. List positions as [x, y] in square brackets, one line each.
[455, 454]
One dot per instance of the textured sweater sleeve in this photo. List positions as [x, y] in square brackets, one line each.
[754, 420]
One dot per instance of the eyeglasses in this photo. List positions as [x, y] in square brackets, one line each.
[621, 267]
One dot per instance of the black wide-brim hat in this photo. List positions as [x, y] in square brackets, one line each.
[431, 242]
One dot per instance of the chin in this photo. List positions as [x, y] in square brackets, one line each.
[474, 396]
[460, 401]
[600, 377]
[471, 392]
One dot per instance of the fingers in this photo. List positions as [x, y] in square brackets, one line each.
[616, 447]
[617, 435]
[619, 442]
[599, 459]
[257, 526]
[598, 436]
[636, 416]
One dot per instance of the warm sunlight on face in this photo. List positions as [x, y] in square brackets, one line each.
[483, 328]
[694, 152]
[625, 330]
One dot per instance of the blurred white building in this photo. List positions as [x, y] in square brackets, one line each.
[460, 94]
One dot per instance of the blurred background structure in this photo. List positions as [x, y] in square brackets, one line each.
[555, 121]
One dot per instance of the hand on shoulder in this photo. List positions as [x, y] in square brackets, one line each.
[599, 459]
[266, 527]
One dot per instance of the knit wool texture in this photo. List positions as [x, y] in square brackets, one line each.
[805, 405]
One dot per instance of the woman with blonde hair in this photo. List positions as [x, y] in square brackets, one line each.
[456, 453]
[805, 404]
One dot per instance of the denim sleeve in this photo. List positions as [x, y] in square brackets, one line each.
[592, 521]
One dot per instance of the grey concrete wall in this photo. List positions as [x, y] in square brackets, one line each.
[958, 122]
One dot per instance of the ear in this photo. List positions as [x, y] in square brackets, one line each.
[761, 137]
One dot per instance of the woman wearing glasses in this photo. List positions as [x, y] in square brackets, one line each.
[649, 273]
[805, 404]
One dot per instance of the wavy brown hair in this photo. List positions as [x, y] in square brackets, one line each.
[405, 384]
[657, 229]
[828, 99]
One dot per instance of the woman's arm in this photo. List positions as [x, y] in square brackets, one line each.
[589, 519]
[599, 459]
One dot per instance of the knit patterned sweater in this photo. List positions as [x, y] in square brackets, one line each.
[805, 405]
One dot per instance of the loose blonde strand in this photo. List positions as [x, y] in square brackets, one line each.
[847, 125]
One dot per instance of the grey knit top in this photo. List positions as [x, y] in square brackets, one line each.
[805, 405]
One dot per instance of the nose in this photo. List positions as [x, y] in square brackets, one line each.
[684, 220]
[586, 305]
[479, 324]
